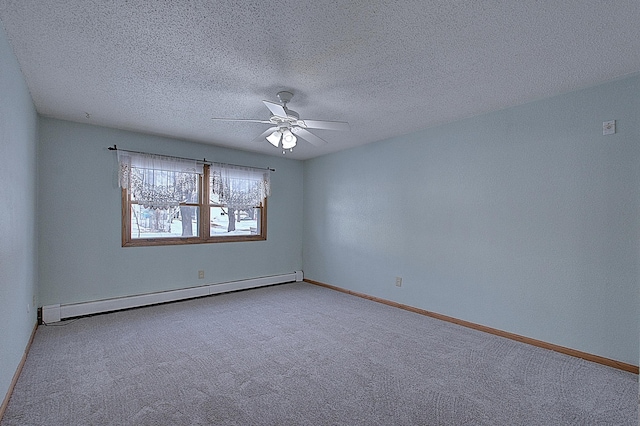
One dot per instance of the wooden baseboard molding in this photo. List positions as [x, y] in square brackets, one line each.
[539, 343]
[5, 402]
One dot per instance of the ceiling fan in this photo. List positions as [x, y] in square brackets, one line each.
[287, 126]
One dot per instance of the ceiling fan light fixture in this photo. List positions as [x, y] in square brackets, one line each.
[274, 138]
[290, 144]
[288, 139]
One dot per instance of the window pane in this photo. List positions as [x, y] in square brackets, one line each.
[226, 221]
[238, 186]
[163, 189]
[175, 222]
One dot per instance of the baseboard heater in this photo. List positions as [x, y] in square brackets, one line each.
[56, 313]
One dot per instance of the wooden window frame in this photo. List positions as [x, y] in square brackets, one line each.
[204, 218]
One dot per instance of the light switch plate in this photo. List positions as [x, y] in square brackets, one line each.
[608, 127]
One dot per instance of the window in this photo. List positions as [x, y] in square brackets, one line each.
[237, 197]
[167, 200]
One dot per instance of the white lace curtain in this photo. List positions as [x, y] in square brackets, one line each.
[156, 181]
[239, 187]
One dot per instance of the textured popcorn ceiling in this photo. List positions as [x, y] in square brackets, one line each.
[386, 67]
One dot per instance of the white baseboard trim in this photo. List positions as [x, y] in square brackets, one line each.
[55, 313]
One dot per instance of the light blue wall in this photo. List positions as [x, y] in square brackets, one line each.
[18, 139]
[80, 253]
[525, 220]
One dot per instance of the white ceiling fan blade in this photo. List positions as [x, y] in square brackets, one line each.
[276, 109]
[247, 120]
[264, 134]
[308, 136]
[328, 125]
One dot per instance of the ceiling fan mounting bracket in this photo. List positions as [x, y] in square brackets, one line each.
[284, 96]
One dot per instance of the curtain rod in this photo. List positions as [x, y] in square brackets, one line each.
[203, 161]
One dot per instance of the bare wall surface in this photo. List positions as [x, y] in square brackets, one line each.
[525, 220]
[81, 258]
[18, 140]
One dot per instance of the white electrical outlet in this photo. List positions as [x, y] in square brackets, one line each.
[398, 281]
[200, 275]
